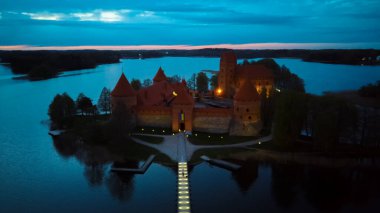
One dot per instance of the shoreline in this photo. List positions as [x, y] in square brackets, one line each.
[305, 158]
[20, 61]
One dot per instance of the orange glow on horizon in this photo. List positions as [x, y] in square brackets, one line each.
[184, 47]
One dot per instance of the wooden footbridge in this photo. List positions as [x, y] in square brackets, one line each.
[183, 179]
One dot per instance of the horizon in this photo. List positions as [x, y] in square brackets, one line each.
[248, 46]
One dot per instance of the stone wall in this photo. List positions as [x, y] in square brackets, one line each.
[240, 128]
[212, 120]
[154, 117]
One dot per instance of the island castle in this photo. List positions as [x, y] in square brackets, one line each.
[171, 105]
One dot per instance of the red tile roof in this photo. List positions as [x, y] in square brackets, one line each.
[123, 88]
[184, 82]
[247, 92]
[183, 97]
[254, 71]
[161, 93]
[228, 57]
[156, 94]
[160, 76]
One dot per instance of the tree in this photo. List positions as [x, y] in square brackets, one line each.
[42, 71]
[62, 110]
[333, 119]
[104, 102]
[121, 122]
[191, 82]
[267, 109]
[84, 104]
[284, 79]
[136, 84]
[174, 79]
[289, 118]
[147, 82]
[214, 82]
[370, 90]
[202, 82]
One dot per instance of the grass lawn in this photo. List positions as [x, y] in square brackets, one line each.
[200, 138]
[150, 139]
[153, 130]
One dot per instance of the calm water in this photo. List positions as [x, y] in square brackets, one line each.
[35, 177]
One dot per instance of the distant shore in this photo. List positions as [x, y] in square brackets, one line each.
[39, 65]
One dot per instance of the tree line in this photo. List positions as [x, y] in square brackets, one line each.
[370, 90]
[63, 109]
[47, 64]
[327, 121]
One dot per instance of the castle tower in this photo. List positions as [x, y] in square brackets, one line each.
[247, 119]
[226, 76]
[182, 111]
[160, 76]
[123, 93]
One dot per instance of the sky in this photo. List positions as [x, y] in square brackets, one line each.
[149, 24]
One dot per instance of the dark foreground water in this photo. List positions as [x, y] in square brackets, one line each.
[36, 177]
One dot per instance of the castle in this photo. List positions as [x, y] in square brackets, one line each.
[171, 105]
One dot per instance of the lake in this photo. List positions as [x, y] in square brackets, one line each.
[36, 177]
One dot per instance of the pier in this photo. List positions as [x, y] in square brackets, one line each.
[183, 179]
[183, 189]
[140, 170]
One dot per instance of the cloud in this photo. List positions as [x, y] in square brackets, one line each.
[146, 14]
[44, 16]
[110, 16]
[98, 15]
[46, 22]
[85, 16]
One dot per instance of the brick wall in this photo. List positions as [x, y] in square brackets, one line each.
[154, 117]
[212, 120]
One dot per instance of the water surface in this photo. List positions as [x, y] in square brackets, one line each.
[35, 177]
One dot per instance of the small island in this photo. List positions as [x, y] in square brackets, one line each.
[253, 105]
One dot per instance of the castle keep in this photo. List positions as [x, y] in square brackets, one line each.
[170, 105]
